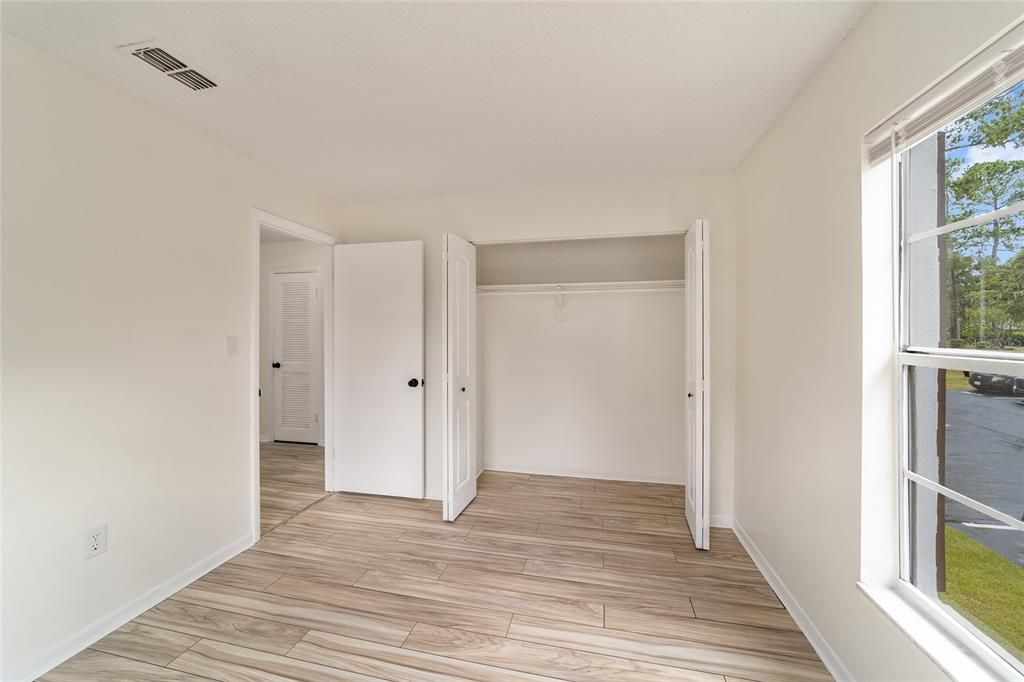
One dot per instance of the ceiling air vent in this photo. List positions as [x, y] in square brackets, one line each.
[166, 63]
[193, 79]
[159, 58]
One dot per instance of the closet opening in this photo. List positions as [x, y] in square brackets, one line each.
[579, 358]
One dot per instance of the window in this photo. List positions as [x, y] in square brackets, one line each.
[961, 370]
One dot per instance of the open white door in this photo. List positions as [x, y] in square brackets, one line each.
[459, 406]
[698, 504]
[378, 368]
[296, 355]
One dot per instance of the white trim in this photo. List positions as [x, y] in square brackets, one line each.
[956, 361]
[967, 222]
[722, 521]
[100, 628]
[824, 650]
[258, 219]
[571, 238]
[267, 219]
[580, 287]
[264, 438]
[957, 651]
[964, 500]
[575, 473]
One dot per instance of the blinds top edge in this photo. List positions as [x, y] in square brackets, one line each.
[1007, 46]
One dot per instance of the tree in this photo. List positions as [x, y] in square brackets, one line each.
[997, 123]
[981, 293]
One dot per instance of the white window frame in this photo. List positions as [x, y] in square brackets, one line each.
[953, 643]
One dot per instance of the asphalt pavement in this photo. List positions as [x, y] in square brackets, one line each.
[985, 461]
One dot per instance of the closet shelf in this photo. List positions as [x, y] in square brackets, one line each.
[579, 287]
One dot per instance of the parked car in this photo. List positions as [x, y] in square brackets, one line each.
[1001, 384]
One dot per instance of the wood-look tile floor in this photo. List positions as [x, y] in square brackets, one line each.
[541, 578]
[291, 479]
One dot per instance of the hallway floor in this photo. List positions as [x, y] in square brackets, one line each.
[291, 479]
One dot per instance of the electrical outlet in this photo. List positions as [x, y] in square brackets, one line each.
[95, 541]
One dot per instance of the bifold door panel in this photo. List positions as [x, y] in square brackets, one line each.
[697, 502]
[461, 387]
[378, 368]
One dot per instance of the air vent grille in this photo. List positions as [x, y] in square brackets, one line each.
[193, 79]
[159, 59]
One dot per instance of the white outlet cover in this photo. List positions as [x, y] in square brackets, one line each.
[95, 541]
[231, 346]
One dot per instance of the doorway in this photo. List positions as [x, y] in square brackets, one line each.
[593, 363]
[291, 281]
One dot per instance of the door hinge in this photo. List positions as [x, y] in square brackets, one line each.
[316, 419]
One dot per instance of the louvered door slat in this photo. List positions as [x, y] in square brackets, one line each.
[296, 327]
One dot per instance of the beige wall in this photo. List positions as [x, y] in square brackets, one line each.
[662, 205]
[799, 320]
[126, 263]
[603, 390]
[278, 254]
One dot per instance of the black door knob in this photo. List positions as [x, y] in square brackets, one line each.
[689, 395]
[463, 389]
[276, 365]
[414, 382]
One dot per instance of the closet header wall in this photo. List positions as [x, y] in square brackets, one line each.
[627, 259]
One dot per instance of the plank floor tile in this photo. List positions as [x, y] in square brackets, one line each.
[558, 662]
[231, 663]
[487, 597]
[145, 643]
[224, 626]
[99, 666]
[541, 578]
[668, 651]
[397, 663]
[395, 605]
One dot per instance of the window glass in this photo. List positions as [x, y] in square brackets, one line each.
[983, 157]
[963, 291]
[971, 565]
[967, 433]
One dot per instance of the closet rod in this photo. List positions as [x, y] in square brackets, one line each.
[580, 287]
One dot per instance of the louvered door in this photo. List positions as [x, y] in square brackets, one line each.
[295, 353]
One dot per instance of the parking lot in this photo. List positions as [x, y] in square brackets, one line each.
[985, 461]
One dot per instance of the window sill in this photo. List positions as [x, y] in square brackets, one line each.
[948, 644]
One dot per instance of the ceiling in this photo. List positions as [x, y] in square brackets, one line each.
[374, 100]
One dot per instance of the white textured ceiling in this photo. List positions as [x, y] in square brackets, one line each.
[372, 100]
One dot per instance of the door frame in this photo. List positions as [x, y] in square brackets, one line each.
[706, 337]
[323, 300]
[259, 219]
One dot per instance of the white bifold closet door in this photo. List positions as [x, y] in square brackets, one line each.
[459, 406]
[295, 335]
[378, 368]
[697, 499]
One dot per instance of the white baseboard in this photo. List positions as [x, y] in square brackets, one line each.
[264, 438]
[561, 471]
[825, 652]
[62, 651]
[721, 521]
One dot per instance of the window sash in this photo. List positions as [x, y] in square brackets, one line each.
[980, 219]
